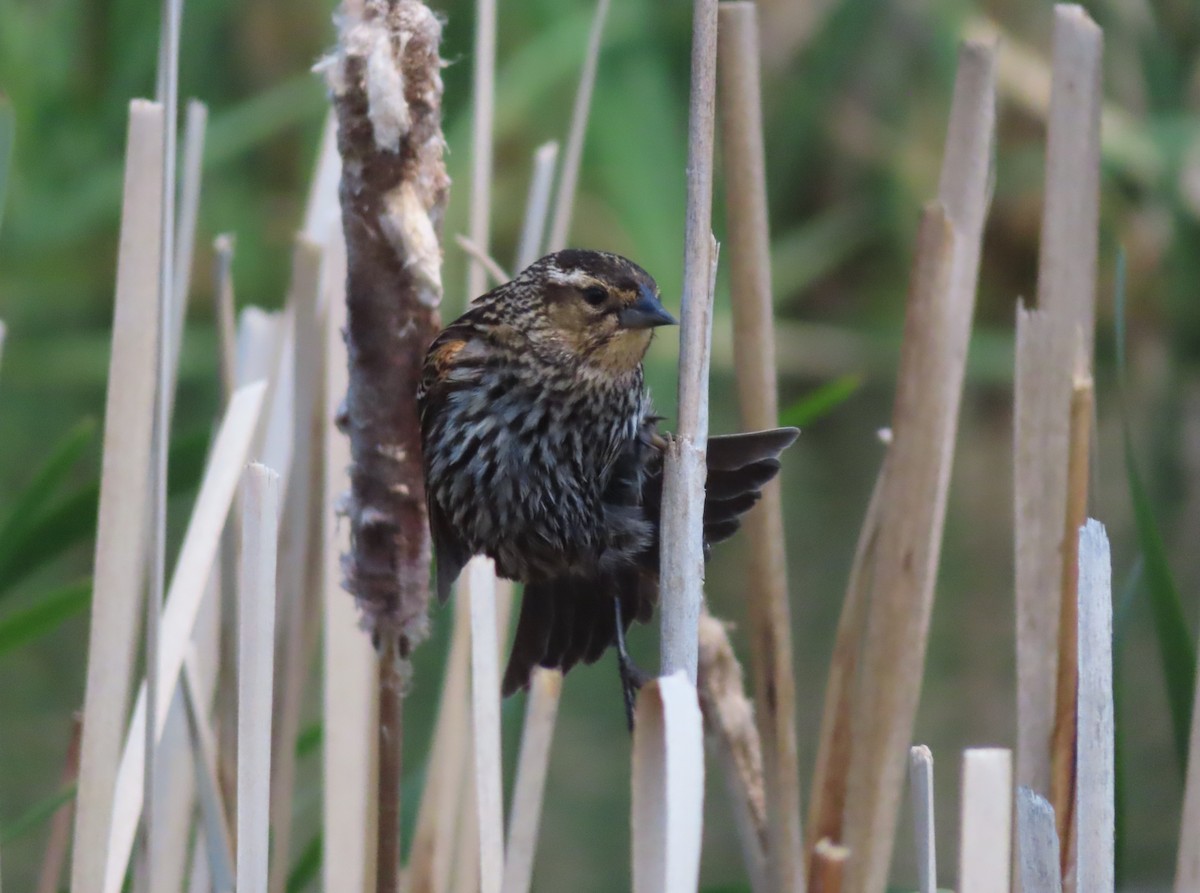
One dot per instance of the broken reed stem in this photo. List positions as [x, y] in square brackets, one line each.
[168, 96]
[1187, 867]
[828, 867]
[124, 497]
[754, 364]
[914, 495]
[537, 204]
[681, 575]
[1064, 321]
[1038, 487]
[485, 722]
[300, 567]
[912, 511]
[59, 842]
[920, 790]
[483, 102]
[541, 713]
[832, 766]
[491, 267]
[984, 851]
[226, 312]
[193, 567]
[730, 729]
[667, 787]
[213, 812]
[350, 669]
[1037, 844]
[256, 665]
[564, 206]
[1095, 780]
[196, 121]
[1062, 748]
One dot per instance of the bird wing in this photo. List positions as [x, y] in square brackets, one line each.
[571, 619]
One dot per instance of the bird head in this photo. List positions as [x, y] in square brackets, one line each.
[599, 307]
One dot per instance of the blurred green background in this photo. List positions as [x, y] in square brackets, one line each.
[856, 96]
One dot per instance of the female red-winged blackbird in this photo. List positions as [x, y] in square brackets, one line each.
[542, 452]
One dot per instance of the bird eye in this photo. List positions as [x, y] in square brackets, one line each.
[595, 295]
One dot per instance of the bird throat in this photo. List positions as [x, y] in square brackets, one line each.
[622, 352]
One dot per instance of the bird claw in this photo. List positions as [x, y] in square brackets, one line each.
[632, 680]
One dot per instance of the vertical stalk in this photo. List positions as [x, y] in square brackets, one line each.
[754, 364]
[682, 573]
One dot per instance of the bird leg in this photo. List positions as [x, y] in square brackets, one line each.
[632, 678]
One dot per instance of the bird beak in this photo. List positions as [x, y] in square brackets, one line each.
[645, 313]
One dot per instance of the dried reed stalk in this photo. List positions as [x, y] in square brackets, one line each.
[914, 491]
[1095, 780]
[59, 842]
[124, 499]
[564, 206]
[541, 712]
[299, 606]
[256, 665]
[196, 121]
[226, 313]
[920, 787]
[485, 722]
[828, 867]
[667, 787]
[386, 81]
[984, 850]
[1038, 863]
[192, 568]
[537, 204]
[754, 364]
[311, 420]
[730, 729]
[323, 211]
[1187, 868]
[438, 815]
[831, 770]
[167, 94]
[350, 669]
[1066, 312]
[1187, 865]
[484, 826]
[1062, 745]
[545, 690]
[681, 575]
[912, 511]
[213, 812]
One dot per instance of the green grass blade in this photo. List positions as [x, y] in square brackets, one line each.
[821, 402]
[1176, 647]
[46, 614]
[72, 520]
[36, 815]
[306, 867]
[34, 499]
